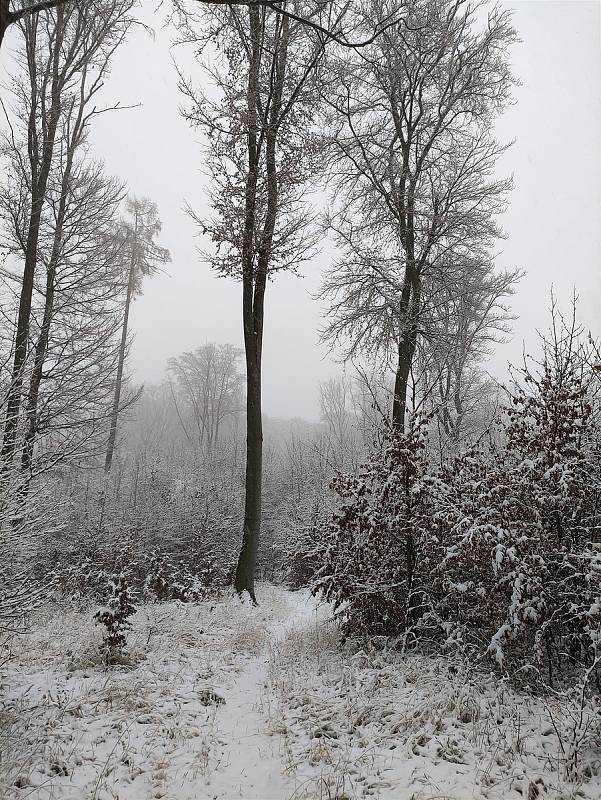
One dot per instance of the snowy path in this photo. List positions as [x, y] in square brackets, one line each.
[252, 762]
[302, 718]
[154, 728]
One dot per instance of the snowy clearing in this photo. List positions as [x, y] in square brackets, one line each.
[221, 700]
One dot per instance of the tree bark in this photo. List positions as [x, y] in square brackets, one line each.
[254, 283]
[8, 17]
[110, 448]
[38, 366]
[5, 18]
[44, 336]
[39, 184]
[408, 311]
[253, 340]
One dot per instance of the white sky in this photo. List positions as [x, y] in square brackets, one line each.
[553, 226]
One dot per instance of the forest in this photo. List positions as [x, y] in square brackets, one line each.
[399, 598]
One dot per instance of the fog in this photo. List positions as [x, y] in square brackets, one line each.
[551, 225]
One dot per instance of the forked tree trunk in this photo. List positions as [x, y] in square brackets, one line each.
[254, 281]
[7, 18]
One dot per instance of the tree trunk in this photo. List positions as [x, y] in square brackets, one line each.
[5, 18]
[36, 375]
[44, 336]
[399, 403]
[254, 280]
[110, 448]
[405, 352]
[408, 312]
[247, 561]
[39, 184]
[245, 570]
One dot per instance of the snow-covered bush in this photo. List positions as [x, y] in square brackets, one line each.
[115, 616]
[304, 541]
[161, 582]
[371, 567]
[165, 580]
[499, 550]
[25, 521]
[80, 579]
[517, 561]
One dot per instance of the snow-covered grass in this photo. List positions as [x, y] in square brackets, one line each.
[226, 701]
[387, 725]
[153, 726]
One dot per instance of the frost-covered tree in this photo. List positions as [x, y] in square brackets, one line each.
[64, 60]
[371, 554]
[262, 148]
[520, 525]
[498, 550]
[412, 167]
[141, 257]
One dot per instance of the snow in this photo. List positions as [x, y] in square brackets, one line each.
[220, 700]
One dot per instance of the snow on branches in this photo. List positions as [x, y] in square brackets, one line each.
[371, 570]
[498, 550]
[115, 616]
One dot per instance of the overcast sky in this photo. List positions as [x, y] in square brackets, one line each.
[552, 225]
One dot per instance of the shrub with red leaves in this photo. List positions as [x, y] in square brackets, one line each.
[371, 568]
[519, 566]
[115, 616]
[500, 550]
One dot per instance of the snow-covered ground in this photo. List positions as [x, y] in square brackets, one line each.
[223, 701]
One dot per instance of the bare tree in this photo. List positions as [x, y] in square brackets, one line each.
[340, 416]
[75, 319]
[71, 41]
[262, 149]
[324, 18]
[76, 245]
[461, 324]
[413, 171]
[142, 257]
[210, 386]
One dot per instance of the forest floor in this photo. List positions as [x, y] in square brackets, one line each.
[220, 701]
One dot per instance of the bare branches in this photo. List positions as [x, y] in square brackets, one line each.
[210, 386]
[59, 213]
[412, 165]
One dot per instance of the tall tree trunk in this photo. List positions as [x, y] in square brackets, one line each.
[408, 312]
[38, 366]
[41, 348]
[405, 353]
[401, 382]
[39, 183]
[245, 570]
[110, 448]
[254, 284]
[253, 342]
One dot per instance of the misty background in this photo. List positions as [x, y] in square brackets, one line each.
[551, 224]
